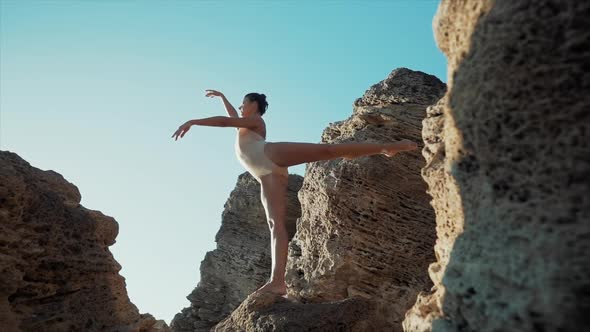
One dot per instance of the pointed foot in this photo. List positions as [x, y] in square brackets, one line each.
[404, 145]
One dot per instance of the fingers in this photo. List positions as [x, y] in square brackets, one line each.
[212, 93]
[176, 133]
[183, 132]
[180, 132]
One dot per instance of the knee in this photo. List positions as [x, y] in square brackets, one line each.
[276, 225]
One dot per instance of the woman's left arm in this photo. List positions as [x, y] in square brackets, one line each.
[214, 121]
[227, 121]
[218, 121]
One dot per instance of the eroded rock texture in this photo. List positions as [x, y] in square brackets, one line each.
[56, 271]
[367, 231]
[508, 169]
[267, 312]
[242, 261]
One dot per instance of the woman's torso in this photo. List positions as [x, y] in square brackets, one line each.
[245, 138]
[245, 134]
[249, 149]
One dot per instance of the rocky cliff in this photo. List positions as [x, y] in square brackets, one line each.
[508, 169]
[242, 261]
[367, 231]
[56, 270]
[483, 228]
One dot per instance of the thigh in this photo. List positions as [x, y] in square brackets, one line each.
[287, 154]
[273, 194]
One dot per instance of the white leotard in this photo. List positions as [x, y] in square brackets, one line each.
[249, 148]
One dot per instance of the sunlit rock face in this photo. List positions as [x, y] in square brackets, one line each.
[367, 231]
[56, 270]
[508, 167]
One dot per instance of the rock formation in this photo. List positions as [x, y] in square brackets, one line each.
[496, 239]
[360, 257]
[56, 270]
[367, 231]
[242, 261]
[508, 169]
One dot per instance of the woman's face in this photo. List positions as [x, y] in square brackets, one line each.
[248, 107]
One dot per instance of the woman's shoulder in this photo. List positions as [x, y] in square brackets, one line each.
[261, 128]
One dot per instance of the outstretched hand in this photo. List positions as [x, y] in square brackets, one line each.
[182, 130]
[213, 93]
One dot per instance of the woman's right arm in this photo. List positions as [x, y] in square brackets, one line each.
[231, 111]
[229, 108]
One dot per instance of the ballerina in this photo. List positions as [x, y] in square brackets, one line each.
[268, 163]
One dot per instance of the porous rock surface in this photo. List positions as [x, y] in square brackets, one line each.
[56, 270]
[242, 260]
[508, 169]
[367, 231]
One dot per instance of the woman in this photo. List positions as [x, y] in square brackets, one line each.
[268, 163]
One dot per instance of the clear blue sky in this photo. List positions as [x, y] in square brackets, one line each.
[94, 90]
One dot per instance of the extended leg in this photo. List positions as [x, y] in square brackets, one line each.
[287, 154]
[355, 150]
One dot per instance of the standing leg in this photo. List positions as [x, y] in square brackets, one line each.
[274, 199]
[287, 154]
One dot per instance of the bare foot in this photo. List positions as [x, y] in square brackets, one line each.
[404, 145]
[276, 288]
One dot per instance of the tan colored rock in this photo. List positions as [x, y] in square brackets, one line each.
[265, 312]
[367, 228]
[366, 233]
[56, 271]
[508, 168]
[242, 261]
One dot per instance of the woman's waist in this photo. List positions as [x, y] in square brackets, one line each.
[249, 143]
[248, 147]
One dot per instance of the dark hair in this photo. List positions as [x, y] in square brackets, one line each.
[260, 98]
